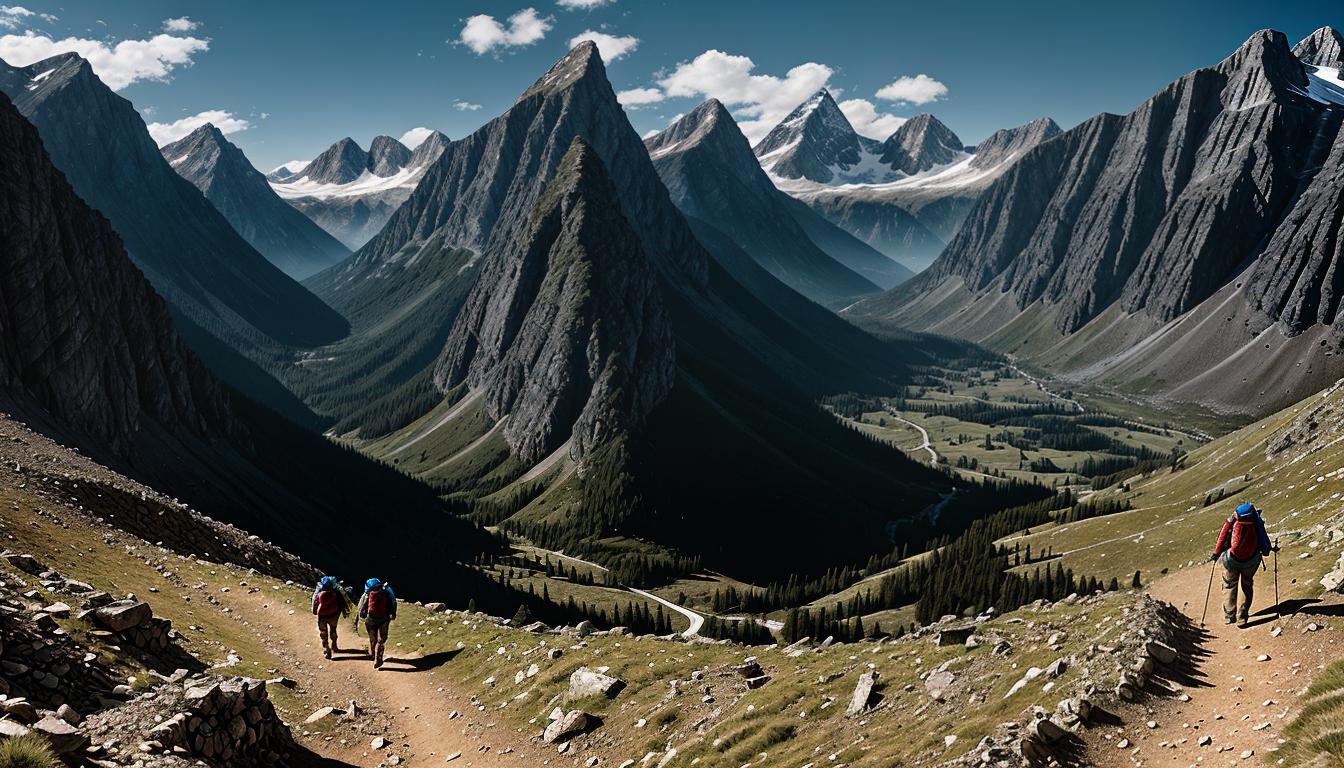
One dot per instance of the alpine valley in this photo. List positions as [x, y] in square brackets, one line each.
[680, 449]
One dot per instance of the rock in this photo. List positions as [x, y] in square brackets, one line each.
[585, 682]
[122, 615]
[937, 683]
[1048, 730]
[950, 637]
[571, 724]
[57, 610]
[65, 738]
[26, 563]
[1031, 674]
[1057, 668]
[68, 714]
[321, 714]
[584, 628]
[1161, 652]
[378, 743]
[758, 681]
[9, 729]
[1334, 580]
[436, 607]
[20, 709]
[862, 697]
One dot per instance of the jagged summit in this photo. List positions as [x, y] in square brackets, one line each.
[1006, 143]
[341, 163]
[221, 171]
[1322, 48]
[815, 141]
[387, 156]
[428, 150]
[921, 143]
[582, 62]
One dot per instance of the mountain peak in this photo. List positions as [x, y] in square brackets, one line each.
[1322, 48]
[582, 63]
[387, 156]
[1266, 65]
[1009, 143]
[921, 143]
[341, 163]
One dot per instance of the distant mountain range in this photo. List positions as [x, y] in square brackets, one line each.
[588, 342]
[905, 196]
[708, 168]
[90, 357]
[238, 311]
[1188, 252]
[351, 193]
[223, 173]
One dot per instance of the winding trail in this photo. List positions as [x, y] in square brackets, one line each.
[1236, 701]
[697, 620]
[926, 445]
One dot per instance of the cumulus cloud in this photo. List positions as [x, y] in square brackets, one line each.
[483, 33]
[180, 24]
[582, 5]
[638, 97]
[865, 118]
[118, 65]
[920, 89]
[764, 99]
[612, 47]
[415, 137]
[465, 106]
[226, 122]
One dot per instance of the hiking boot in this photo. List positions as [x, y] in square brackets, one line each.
[1229, 619]
[326, 652]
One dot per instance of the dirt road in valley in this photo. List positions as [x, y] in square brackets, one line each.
[1248, 683]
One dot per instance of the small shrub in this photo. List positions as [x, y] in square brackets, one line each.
[27, 751]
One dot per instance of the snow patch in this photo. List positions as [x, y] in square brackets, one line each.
[366, 184]
[37, 79]
[1325, 85]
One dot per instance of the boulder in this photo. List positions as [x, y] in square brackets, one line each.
[65, 738]
[122, 615]
[569, 725]
[586, 682]
[863, 693]
[1160, 652]
[20, 709]
[952, 636]
[937, 683]
[436, 607]
[1047, 730]
[9, 729]
[26, 563]
[1334, 580]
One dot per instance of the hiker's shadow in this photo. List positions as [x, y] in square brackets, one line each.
[1309, 606]
[420, 663]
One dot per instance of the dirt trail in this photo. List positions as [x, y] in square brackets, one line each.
[404, 702]
[1239, 702]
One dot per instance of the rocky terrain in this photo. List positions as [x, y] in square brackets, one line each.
[235, 308]
[1159, 251]
[227, 179]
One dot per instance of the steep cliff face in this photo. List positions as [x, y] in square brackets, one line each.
[708, 168]
[238, 190]
[1215, 198]
[921, 143]
[189, 252]
[84, 336]
[565, 331]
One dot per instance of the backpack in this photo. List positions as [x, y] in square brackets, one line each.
[329, 602]
[379, 605]
[1245, 539]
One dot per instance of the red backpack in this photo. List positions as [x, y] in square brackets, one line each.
[329, 603]
[378, 605]
[1245, 539]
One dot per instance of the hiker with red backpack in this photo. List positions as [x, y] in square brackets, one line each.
[378, 607]
[330, 605]
[1242, 546]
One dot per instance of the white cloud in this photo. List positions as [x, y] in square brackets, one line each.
[415, 137]
[865, 118]
[649, 134]
[11, 16]
[766, 99]
[638, 97]
[180, 24]
[119, 65]
[465, 106]
[582, 5]
[920, 89]
[482, 33]
[226, 122]
[612, 47]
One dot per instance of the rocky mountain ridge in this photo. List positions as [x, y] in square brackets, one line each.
[229, 181]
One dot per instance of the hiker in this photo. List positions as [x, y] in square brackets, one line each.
[330, 605]
[1242, 544]
[378, 607]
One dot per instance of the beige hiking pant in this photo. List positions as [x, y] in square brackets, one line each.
[326, 627]
[377, 638]
[1230, 579]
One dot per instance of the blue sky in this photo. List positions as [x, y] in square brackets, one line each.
[289, 78]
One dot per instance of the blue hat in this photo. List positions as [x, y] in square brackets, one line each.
[1246, 510]
[372, 584]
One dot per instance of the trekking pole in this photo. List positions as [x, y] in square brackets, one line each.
[1212, 567]
[1278, 609]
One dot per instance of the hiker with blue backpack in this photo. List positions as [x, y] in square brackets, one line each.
[1242, 546]
[377, 607]
[330, 605]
